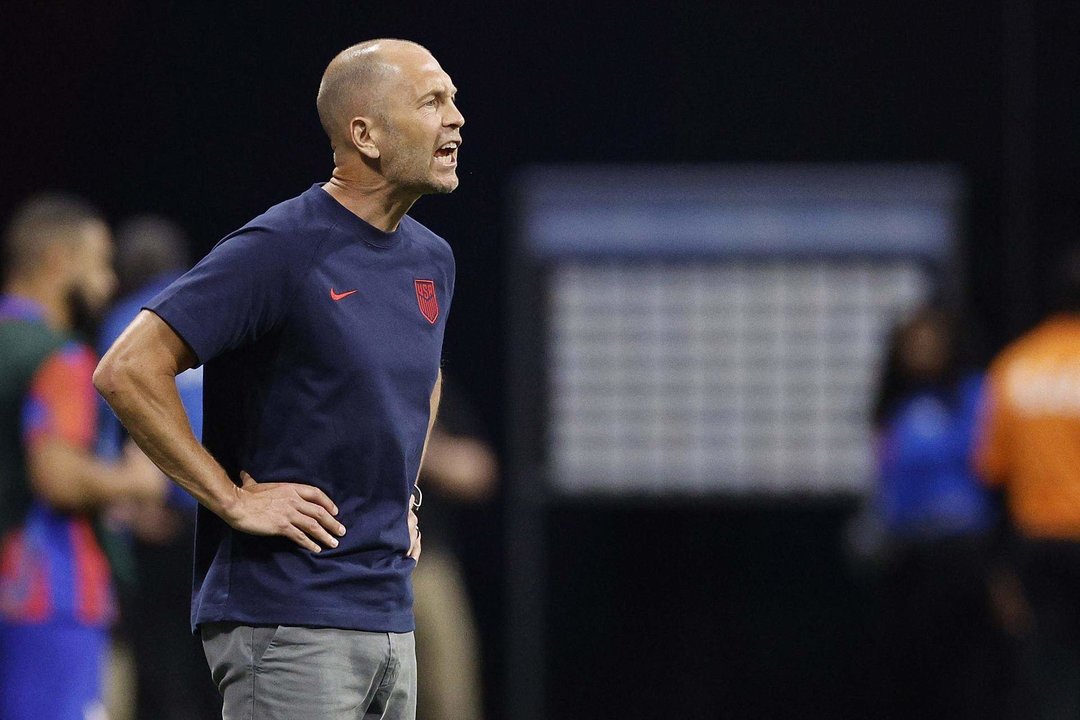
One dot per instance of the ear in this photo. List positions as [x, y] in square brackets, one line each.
[360, 135]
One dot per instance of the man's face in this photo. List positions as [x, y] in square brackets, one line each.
[91, 280]
[421, 126]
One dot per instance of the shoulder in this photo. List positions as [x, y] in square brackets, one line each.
[76, 353]
[1014, 351]
[24, 345]
[304, 212]
[60, 400]
[24, 334]
[1031, 344]
[286, 235]
[427, 241]
[905, 409]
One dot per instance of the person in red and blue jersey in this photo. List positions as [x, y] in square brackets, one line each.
[56, 596]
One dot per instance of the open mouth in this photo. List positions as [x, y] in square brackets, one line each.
[447, 154]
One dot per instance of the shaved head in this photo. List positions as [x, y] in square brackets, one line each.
[59, 252]
[42, 221]
[389, 110]
[353, 80]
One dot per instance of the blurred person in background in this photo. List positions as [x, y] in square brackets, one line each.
[459, 468]
[1029, 445]
[937, 520]
[57, 599]
[171, 682]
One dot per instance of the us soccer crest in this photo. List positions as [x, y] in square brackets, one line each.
[425, 297]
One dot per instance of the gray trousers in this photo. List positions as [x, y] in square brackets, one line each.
[295, 673]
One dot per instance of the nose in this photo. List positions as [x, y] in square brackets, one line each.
[453, 118]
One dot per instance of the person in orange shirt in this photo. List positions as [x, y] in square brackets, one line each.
[1029, 445]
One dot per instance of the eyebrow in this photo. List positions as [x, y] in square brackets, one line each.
[441, 90]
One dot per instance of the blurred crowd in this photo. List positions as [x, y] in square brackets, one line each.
[96, 548]
[978, 512]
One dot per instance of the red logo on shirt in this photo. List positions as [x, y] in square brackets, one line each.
[425, 297]
[338, 296]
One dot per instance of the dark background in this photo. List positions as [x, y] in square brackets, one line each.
[205, 112]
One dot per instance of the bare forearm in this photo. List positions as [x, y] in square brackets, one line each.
[137, 377]
[72, 480]
[149, 406]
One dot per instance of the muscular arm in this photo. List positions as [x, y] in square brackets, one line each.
[137, 377]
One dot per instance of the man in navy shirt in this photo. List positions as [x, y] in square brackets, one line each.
[320, 325]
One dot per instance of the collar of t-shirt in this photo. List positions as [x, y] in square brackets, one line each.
[349, 220]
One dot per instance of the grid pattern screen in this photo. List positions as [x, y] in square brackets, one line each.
[720, 375]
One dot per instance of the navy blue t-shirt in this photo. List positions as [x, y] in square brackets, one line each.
[321, 338]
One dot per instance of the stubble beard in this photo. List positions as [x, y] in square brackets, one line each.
[414, 176]
[417, 178]
[85, 317]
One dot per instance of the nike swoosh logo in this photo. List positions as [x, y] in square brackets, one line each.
[339, 296]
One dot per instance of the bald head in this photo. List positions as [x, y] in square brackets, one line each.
[354, 80]
[41, 221]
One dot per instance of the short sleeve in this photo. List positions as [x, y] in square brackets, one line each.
[451, 272]
[233, 296]
[448, 266]
[61, 402]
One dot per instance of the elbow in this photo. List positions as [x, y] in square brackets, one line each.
[113, 377]
[105, 380]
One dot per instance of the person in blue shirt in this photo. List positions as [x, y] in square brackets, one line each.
[937, 518]
[151, 254]
[925, 419]
[320, 327]
[169, 667]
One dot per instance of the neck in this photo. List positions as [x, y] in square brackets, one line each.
[371, 198]
[45, 294]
